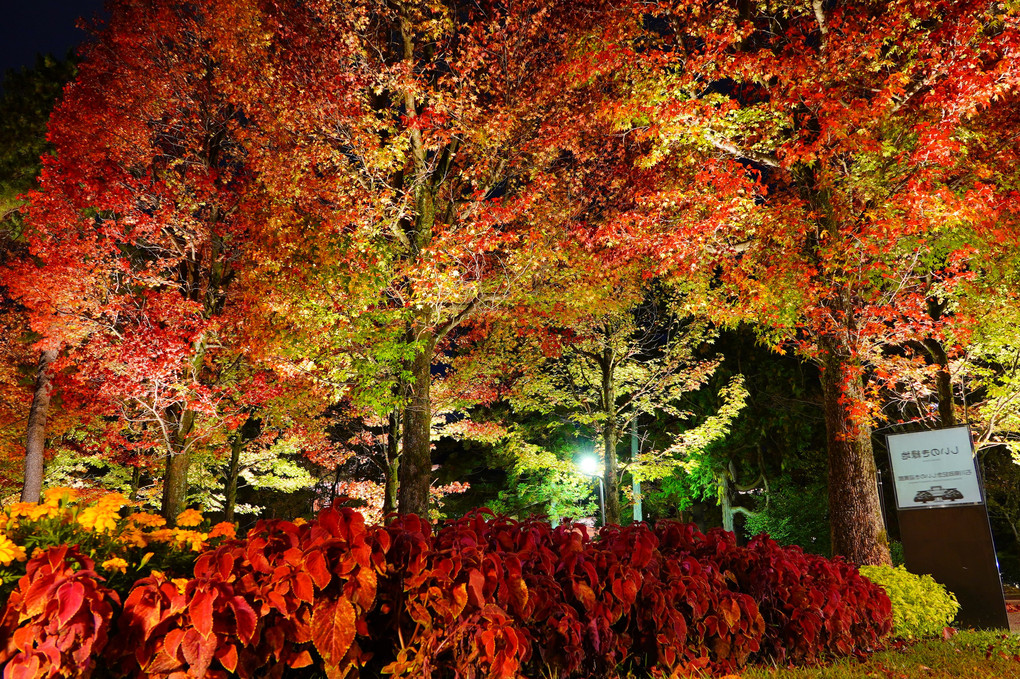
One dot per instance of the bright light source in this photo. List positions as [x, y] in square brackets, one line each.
[589, 465]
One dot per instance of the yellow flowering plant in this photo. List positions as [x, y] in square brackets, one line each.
[125, 543]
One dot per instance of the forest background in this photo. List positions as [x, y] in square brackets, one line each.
[427, 256]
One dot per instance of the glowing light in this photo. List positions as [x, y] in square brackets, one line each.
[589, 465]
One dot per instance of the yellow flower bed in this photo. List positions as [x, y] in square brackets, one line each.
[101, 525]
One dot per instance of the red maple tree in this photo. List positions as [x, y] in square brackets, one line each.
[854, 137]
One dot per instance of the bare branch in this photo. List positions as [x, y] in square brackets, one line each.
[734, 150]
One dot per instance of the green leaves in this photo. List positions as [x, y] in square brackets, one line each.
[921, 607]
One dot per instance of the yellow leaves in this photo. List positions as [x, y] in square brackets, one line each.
[103, 516]
[30, 511]
[146, 519]
[57, 496]
[132, 537]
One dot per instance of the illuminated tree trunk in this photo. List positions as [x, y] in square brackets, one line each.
[611, 478]
[392, 469]
[610, 437]
[230, 492]
[175, 480]
[35, 439]
[943, 378]
[854, 509]
[416, 457]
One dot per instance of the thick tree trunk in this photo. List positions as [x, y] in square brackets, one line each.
[943, 382]
[854, 509]
[943, 378]
[944, 389]
[175, 480]
[230, 492]
[175, 485]
[415, 477]
[35, 439]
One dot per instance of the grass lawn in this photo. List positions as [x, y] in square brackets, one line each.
[981, 655]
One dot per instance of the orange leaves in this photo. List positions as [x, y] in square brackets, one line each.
[184, 627]
[266, 602]
[333, 629]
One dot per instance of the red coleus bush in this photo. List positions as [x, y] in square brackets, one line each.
[483, 597]
[283, 598]
[814, 608]
[57, 619]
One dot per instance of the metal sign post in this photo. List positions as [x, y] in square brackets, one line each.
[943, 521]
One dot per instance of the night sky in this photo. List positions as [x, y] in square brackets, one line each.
[31, 27]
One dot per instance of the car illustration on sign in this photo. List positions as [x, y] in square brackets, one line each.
[938, 493]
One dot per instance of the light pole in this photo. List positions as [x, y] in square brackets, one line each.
[589, 466]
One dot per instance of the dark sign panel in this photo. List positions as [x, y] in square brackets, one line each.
[936, 470]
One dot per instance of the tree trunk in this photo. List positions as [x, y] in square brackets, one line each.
[175, 481]
[610, 437]
[944, 389]
[392, 463]
[136, 484]
[336, 485]
[854, 509]
[943, 382]
[611, 475]
[175, 485]
[230, 492]
[943, 378]
[725, 504]
[35, 439]
[415, 476]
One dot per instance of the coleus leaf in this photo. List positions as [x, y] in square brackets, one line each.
[333, 628]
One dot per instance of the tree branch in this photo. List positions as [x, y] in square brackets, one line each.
[729, 147]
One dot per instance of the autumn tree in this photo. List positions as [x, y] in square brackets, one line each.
[28, 97]
[851, 128]
[617, 347]
[138, 230]
[433, 149]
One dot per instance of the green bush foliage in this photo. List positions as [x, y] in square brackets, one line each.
[921, 607]
[793, 512]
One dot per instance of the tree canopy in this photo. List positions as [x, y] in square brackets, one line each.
[338, 231]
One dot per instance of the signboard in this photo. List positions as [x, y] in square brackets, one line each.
[934, 469]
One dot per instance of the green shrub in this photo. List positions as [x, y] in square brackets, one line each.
[793, 512]
[921, 607]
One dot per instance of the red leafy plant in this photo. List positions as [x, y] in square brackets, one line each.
[814, 608]
[282, 598]
[481, 597]
[58, 618]
[492, 597]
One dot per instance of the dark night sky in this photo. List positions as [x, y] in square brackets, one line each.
[30, 27]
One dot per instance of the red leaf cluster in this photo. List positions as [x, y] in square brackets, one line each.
[261, 605]
[57, 619]
[814, 608]
[483, 596]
